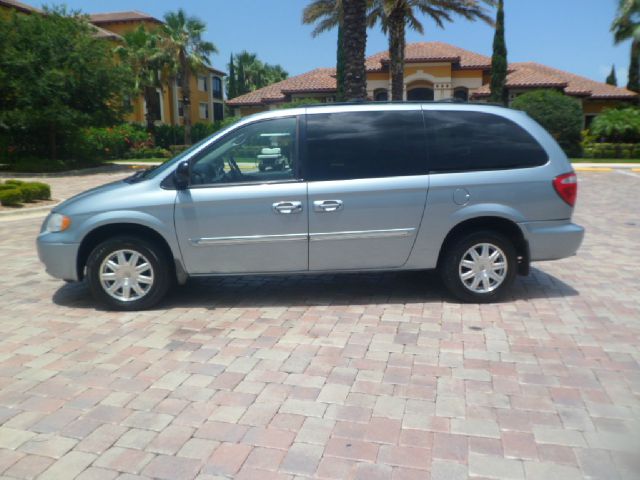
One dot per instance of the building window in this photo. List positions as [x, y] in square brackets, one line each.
[218, 111]
[217, 87]
[588, 120]
[461, 93]
[202, 84]
[380, 95]
[204, 111]
[180, 108]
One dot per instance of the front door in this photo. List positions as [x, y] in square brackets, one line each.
[368, 186]
[242, 214]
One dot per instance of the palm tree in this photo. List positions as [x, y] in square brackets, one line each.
[184, 43]
[142, 54]
[328, 14]
[396, 15]
[626, 26]
[354, 42]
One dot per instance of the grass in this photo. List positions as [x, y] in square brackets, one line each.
[605, 160]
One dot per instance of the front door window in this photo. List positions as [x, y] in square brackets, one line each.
[257, 153]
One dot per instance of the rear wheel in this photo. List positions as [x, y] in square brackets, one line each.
[128, 273]
[479, 267]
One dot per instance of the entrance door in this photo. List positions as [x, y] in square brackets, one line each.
[420, 94]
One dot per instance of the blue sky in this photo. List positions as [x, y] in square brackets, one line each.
[569, 34]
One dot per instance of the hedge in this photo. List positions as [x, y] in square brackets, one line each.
[15, 192]
[611, 150]
[11, 197]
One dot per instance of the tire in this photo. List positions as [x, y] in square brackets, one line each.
[493, 281]
[152, 277]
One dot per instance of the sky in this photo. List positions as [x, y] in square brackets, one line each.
[572, 35]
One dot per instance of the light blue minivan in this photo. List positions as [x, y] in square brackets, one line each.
[476, 191]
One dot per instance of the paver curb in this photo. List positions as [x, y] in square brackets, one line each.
[601, 166]
[25, 212]
[112, 168]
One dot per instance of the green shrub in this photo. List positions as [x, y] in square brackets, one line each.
[29, 192]
[11, 198]
[167, 135]
[14, 182]
[6, 187]
[43, 191]
[176, 149]
[561, 115]
[155, 152]
[617, 125]
[100, 143]
[299, 102]
[611, 150]
[200, 131]
[40, 165]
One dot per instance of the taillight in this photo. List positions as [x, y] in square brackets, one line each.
[567, 187]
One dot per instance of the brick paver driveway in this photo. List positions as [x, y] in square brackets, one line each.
[355, 376]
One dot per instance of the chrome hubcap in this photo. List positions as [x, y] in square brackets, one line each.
[126, 275]
[483, 268]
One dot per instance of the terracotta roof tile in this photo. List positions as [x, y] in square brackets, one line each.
[521, 75]
[432, 52]
[535, 75]
[115, 17]
[22, 7]
[316, 81]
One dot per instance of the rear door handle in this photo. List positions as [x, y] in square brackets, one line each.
[287, 207]
[327, 205]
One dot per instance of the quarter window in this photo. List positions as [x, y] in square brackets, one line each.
[349, 145]
[260, 152]
[461, 141]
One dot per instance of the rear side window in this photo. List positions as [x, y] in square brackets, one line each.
[350, 145]
[460, 141]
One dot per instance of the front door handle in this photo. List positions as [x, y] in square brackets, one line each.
[287, 207]
[327, 205]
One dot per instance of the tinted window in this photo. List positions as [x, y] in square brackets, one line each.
[459, 141]
[259, 152]
[365, 145]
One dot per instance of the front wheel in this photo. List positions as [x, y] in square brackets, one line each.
[128, 273]
[479, 267]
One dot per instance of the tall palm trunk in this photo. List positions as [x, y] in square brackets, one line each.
[149, 92]
[397, 43]
[634, 67]
[354, 37]
[186, 97]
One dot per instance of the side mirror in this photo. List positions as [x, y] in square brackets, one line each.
[181, 175]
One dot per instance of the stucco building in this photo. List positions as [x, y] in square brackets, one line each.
[438, 71]
[207, 88]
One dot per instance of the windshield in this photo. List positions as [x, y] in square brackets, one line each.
[158, 169]
[163, 167]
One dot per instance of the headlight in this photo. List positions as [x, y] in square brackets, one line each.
[57, 223]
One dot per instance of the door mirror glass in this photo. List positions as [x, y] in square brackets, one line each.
[181, 175]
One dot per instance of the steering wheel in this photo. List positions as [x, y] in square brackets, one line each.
[237, 173]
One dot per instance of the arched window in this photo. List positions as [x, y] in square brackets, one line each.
[380, 95]
[461, 93]
[420, 94]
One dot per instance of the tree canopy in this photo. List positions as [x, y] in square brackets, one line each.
[248, 73]
[55, 76]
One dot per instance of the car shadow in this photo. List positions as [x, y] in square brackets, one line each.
[320, 290]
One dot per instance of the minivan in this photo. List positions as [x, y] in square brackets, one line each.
[477, 192]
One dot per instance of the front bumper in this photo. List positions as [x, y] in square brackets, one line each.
[552, 240]
[60, 259]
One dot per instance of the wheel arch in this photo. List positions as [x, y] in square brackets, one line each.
[109, 230]
[506, 227]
